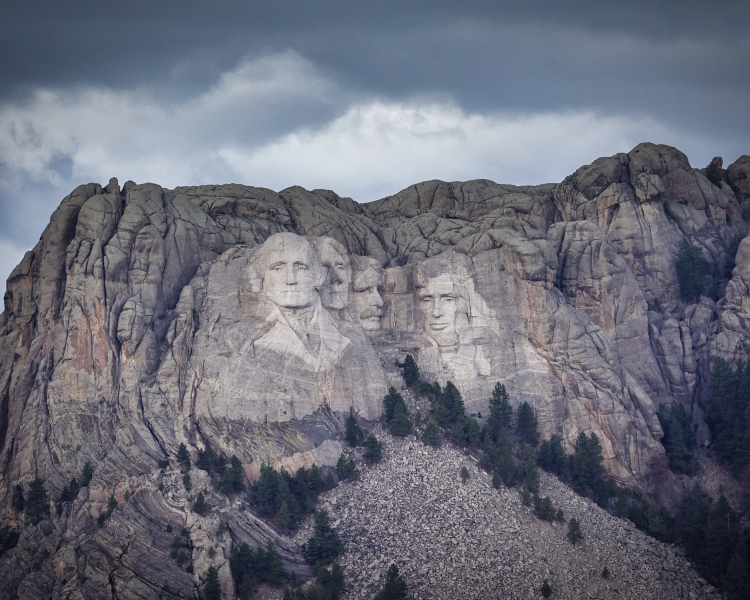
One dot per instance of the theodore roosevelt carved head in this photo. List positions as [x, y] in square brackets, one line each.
[367, 276]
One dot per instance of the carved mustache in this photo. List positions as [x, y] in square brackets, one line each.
[371, 312]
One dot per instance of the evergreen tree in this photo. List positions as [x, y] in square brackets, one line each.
[692, 273]
[450, 407]
[354, 434]
[574, 531]
[86, 475]
[390, 402]
[552, 457]
[605, 572]
[464, 474]
[187, 482]
[264, 492]
[231, 479]
[587, 470]
[501, 412]
[373, 449]
[331, 580]
[527, 471]
[212, 589]
[400, 425]
[431, 433]
[713, 174]
[546, 589]
[345, 467]
[324, 546]
[526, 425]
[111, 503]
[36, 504]
[200, 507]
[183, 457]
[409, 370]
[8, 539]
[207, 460]
[395, 586]
[678, 440]
[729, 414]
[736, 580]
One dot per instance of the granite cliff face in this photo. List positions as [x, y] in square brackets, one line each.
[253, 321]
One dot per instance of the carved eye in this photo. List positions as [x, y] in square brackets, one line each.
[449, 299]
[277, 268]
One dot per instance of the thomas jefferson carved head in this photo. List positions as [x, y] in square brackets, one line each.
[334, 294]
[290, 270]
[367, 276]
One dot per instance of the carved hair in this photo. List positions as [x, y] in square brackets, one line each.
[269, 250]
[318, 243]
[459, 267]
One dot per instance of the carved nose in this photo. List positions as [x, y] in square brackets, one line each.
[291, 275]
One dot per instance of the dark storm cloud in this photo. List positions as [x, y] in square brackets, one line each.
[361, 97]
[684, 61]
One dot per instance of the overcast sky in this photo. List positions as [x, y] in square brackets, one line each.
[364, 98]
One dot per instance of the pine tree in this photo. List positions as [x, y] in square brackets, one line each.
[546, 589]
[528, 472]
[390, 402]
[464, 474]
[501, 412]
[331, 580]
[354, 433]
[605, 572]
[212, 589]
[526, 426]
[431, 433]
[200, 507]
[450, 407]
[736, 581]
[324, 546]
[264, 492]
[187, 482]
[409, 370]
[395, 586]
[373, 449]
[36, 504]
[574, 531]
[86, 475]
[111, 503]
[692, 273]
[206, 459]
[400, 425]
[183, 457]
[552, 457]
[345, 467]
[713, 173]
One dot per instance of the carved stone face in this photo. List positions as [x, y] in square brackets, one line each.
[291, 273]
[335, 290]
[438, 301]
[367, 300]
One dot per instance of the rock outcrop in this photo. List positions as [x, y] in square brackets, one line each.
[252, 322]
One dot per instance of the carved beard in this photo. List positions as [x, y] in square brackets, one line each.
[444, 338]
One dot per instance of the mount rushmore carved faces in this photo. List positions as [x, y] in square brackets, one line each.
[439, 301]
[367, 277]
[334, 293]
[291, 272]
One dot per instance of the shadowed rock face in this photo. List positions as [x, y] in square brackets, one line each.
[254, 321]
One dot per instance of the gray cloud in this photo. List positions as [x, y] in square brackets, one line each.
[363, 98]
